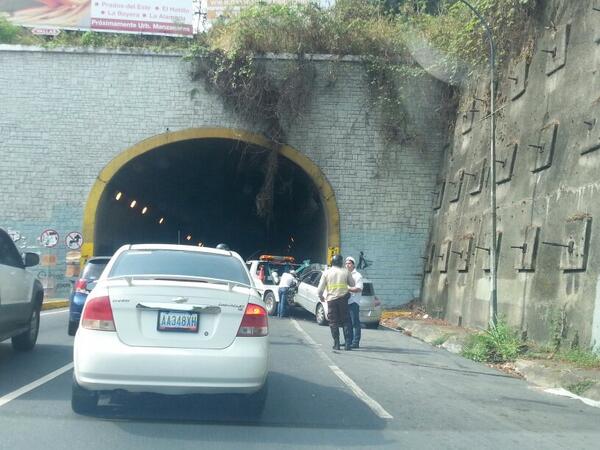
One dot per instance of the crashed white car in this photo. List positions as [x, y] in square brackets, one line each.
[172, 319]
[307, 298]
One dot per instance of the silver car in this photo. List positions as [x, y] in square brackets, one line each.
[307, 298]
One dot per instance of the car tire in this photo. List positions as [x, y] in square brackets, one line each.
[270, 303]
[372, 325]
[26, 340]
[83, 401]
[256, 402]
[72, 328]
[320, 315]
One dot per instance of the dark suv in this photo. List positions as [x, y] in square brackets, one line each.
[21, 296]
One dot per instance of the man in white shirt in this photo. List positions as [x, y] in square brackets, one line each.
[353, 302]
[286, 281]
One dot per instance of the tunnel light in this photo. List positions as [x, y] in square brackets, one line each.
[145, 210]
[133, 203]
[118, 196]
[189, 237]
[161, 220]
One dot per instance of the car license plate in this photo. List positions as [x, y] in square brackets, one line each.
[178, 321]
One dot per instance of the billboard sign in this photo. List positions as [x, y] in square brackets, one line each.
[162, 17]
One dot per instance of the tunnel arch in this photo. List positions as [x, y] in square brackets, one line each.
[309, 168]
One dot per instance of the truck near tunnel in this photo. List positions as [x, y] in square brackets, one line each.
[266, 271]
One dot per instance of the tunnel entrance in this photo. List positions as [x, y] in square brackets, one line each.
[209, 190]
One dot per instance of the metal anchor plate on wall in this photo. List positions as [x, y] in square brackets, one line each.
[464, 248]
[455, 187]
[556, 49]
[591, 133]
[468, 118]
[439, 192]
[526, 257]
[575, 243]
[430, 258]
[505, 163]
[544, 148]
[518, 79]
[483, 248]
[479, 171]
[444, 256]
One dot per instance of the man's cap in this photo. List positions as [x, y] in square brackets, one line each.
[351, 259]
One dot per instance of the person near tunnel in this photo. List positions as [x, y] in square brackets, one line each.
[353, 302]
[336, 280]
[286, 282]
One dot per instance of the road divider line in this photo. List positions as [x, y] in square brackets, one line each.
[355, 388]
[375, 407]
[37, 383]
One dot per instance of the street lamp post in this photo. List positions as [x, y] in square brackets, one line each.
[493, 240]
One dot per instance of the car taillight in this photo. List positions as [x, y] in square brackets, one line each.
[97, 314]
[376, 302]
[81, 286]
[254, 323]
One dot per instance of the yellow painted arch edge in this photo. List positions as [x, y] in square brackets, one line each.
[312, 170]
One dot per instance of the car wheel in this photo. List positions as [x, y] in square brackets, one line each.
[83, 400]
[270, 303]
[72, 329]
[320, 315]
[256, 402]
[26, 340]
[372, 325]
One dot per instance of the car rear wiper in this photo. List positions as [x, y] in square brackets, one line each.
[129, 278]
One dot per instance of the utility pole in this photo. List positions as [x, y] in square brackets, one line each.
[493, 239]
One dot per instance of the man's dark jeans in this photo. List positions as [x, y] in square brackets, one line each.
[282, 308]
[353, 309]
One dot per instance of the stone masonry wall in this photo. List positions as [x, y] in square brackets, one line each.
[65, 114]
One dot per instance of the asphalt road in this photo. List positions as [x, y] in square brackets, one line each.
[395, 392]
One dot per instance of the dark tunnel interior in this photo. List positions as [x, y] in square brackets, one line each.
[205, 191]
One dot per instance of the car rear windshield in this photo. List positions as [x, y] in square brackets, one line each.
[179, 262]
[93, 269]
[368, 289]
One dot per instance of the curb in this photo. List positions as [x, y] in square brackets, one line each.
[54, 304]
[534, 372]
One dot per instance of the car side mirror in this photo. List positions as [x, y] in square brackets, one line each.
[31, 259]
[275, 277]
[91, 285]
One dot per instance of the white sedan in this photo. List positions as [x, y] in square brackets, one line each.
[370, 306]
[172, 319]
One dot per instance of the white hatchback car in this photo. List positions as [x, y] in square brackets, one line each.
[172, 319]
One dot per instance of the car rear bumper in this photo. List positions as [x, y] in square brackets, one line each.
[371, 315]
[76, 306]
[103, 362]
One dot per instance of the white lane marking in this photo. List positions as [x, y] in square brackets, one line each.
[49, 313]
[360, 394]
[375, 407]
[564, 393]
[31, 386]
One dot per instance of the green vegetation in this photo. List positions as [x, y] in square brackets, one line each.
[352, 27]
[441, 339]
[9, 33]
[580, 387]
[495, 345]
[580, 357]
